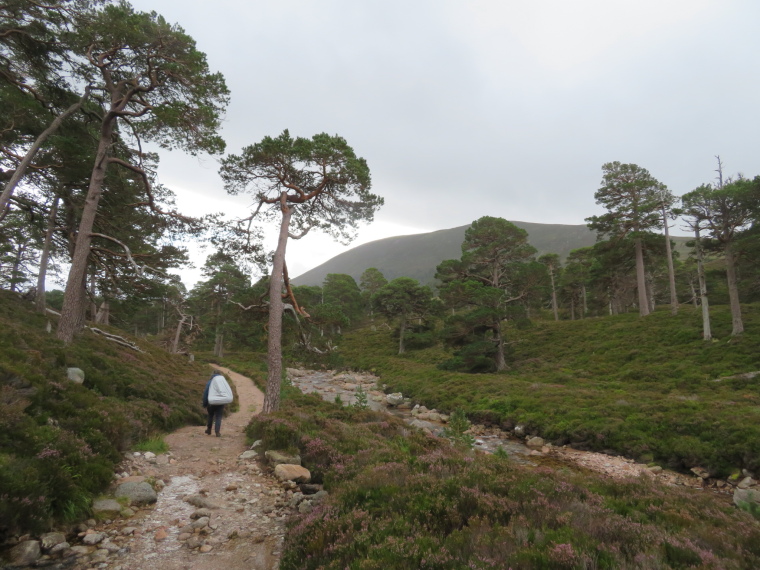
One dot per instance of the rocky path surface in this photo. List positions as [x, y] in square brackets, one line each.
[215, 510]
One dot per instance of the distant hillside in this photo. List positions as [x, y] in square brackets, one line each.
[418, 255]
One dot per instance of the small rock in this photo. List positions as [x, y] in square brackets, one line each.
[193, 542]
[700, 472]
[127, 530]
[394, 399]
[106, 508]
[75, 375]
[201, 502]
[655, 469]
[149, 455]
[60, 548]
[746, 483]
[51, 539]
[250, 454]
[200, 523]
[160, 535]
[305, 507]
[231, 487]
[183, 536]
[81, 550]
[535, 442]
[200, 513]
[94, 538]
[295, 473]
[206, 548]
[137, 493]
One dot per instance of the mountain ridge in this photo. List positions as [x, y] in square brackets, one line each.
[418, 255]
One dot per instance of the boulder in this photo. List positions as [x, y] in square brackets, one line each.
[137, 493]
[535, 442]
[279, 458]
[76, 375]
[106, 508]
[250, 454]
[285, 472]
[25, 553]
[394, 399]
[747, 499]
[50, 539]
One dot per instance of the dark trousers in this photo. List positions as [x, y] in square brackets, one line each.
[214, 417]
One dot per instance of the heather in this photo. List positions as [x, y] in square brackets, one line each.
[399, 499]
[60, 441]
[649, 388]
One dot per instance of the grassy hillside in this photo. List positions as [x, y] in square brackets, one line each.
[417, 256]
[645, 388]
[59, 441]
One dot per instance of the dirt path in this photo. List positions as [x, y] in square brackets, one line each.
[245, 529]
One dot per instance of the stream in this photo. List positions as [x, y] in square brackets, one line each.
[329, 385]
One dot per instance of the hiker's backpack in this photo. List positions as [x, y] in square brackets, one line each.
[219, 392]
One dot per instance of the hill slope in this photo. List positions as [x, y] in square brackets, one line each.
[418, 255]
[60, 440]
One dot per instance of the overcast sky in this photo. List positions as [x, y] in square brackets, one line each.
[469, 108]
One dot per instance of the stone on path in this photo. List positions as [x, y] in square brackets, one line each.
[250, 454]
[202, 502]
[285, 472]
[137, 493]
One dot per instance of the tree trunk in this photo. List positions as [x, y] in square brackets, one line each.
[585, 302]
[32, 152]
[572, 308]
[401, 330]
[177, 333]
[554, 295]
[274, 347]
[733, 292]
[103, 316]
[671, 271]
[641, 281]
[706, 330]
[72, 313]
[219, 333]
[501, 361]
[16, 265]
[45, 256]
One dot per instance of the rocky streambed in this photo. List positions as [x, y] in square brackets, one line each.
[520, 444]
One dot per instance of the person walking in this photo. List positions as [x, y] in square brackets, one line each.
[216, 395]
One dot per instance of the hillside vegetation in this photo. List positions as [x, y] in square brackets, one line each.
[59, 441]
[647, 388]
[399, 499]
